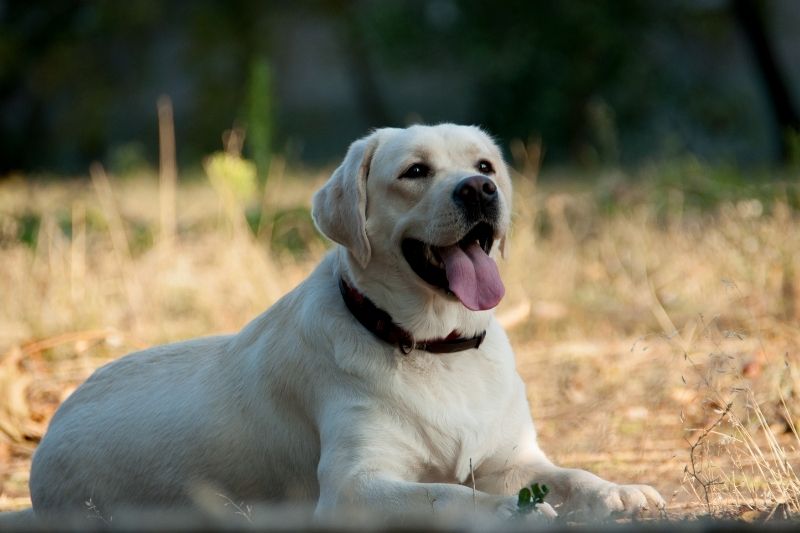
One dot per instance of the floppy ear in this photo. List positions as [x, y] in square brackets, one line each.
[339, 208]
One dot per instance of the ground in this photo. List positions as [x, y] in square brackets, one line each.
[654, 321]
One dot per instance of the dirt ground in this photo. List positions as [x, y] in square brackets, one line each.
[618, 409]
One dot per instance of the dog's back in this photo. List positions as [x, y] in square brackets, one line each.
[216, 415]
[89, 453]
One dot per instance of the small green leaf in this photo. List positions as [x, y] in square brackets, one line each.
[524, 497]
[539, 492]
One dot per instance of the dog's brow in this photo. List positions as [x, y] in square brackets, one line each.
[421, 154]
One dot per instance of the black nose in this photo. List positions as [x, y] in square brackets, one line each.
[476, 194]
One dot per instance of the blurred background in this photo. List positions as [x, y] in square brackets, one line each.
[600, 82]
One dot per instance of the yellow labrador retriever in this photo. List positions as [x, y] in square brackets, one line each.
[377, 382]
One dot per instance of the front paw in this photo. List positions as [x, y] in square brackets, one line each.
[543, 513]
[612, 500]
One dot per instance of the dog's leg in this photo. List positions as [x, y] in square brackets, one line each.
[355, 473]
[573, 492]
[383, 495]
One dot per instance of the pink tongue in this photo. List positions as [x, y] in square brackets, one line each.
[473, 276]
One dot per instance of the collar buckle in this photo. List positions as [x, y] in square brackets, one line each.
[406, 346]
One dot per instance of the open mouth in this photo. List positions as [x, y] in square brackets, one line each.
[463, 268]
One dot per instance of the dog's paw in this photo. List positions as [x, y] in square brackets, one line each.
[612, 500]
[542, 513]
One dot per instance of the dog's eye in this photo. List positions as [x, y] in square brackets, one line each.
[484, 167]
[417, 170]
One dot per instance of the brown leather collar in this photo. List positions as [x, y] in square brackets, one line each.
[380, 324]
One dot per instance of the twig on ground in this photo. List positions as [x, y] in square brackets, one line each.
[472, 477]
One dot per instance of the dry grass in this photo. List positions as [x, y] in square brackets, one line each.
[659, 346]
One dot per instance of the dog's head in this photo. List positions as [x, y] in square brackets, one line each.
[429, 204]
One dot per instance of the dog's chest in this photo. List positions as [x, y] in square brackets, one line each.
[455, 419]
[454, 447]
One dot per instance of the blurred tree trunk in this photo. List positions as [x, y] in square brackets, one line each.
[749, 14]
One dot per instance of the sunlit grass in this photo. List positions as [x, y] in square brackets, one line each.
[639, 311]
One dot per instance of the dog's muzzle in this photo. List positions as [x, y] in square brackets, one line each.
[463, 268]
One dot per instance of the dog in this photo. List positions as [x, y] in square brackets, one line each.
[382, 381]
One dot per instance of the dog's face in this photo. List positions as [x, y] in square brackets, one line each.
[430, 203]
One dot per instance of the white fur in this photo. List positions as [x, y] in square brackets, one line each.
[304, 404]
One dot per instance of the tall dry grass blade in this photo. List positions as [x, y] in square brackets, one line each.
[662, 317]
[119, 239]
[773, 471]
[272, 187]
[77, 263]
[168, 172]
[55, 247]
[233, 140]
[788, 417]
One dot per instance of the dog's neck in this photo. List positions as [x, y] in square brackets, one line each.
[381, 324]
[425, 312]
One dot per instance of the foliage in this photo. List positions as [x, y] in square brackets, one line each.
[529, 498]
[259, 116]
[233, 176]
[602, 82]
